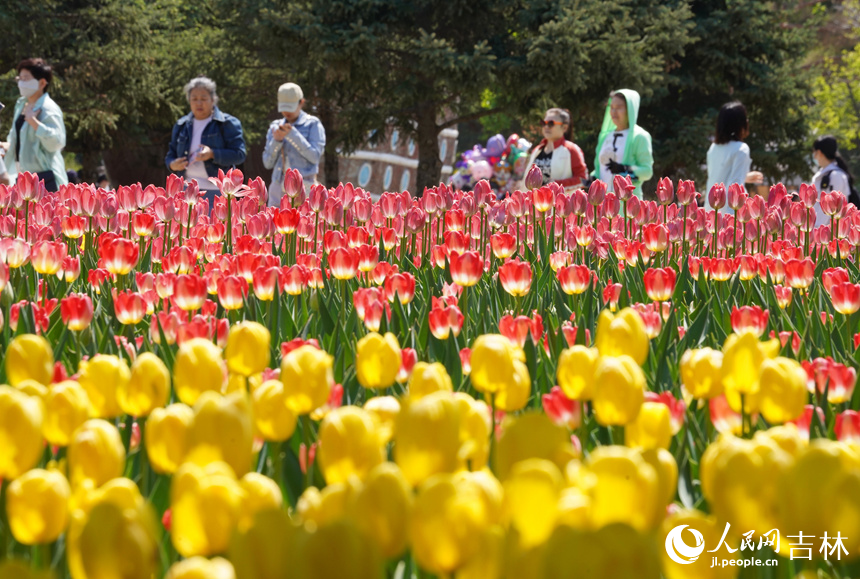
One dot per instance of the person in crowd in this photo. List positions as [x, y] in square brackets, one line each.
[295, 141]
[729, 156]
[623, 147]
[559, 159]
[833, 174]
[73, 177]
[38, 134]
[102, 182]
[205, 140]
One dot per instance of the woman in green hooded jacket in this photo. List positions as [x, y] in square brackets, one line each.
[623, 147]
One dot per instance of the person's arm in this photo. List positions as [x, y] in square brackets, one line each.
[233, 152]
[577, 166]
[643, 158]
[312, 147]
[50, 129]
[172, 153]
[740, 168]
[839, 182]
[272, 151]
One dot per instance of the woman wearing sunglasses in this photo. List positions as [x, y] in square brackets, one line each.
[623, 147]
[559, 159]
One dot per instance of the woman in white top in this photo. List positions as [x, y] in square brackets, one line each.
[833, 174]
[729, 157]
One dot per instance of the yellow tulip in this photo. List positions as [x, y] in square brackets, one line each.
[448, 519]
[743, 355]
[198, 368]
[66, 408]
[265, 549]
[492, 363]
[384, 410]
[575, 373]
[377, 360]
[16, 569]
[783, 391]
[222, 430]
[272, 418]
[514, 395]
[663, 463]
[261, 494]
[489, 560]
[492, 492]
[620, 390]
[739, 479]
[622, 486]
[37, 506]
[148, 387]
[307, 376]
[317, 508]
[616, 551]
[475, 425]
[701, 372]
[96, 453]
[829, 472]
[711, 532]
[120, 491]
[357, 556]
[115, 542]
[29, 357]
[531, 435]
[532, 493]
[622, 334]
[247, 349]
[652, 427]
[427, 379]
[20, 432]
[427, 436]
[201, 568]
[206, 506]
[32, 388]
[166, 437]
[382, 508]
[787, 437]
[102, 376]
[349, 444]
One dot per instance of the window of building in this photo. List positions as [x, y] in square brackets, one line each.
[395, 138]
[364, 175]
[443, 149]
[404, 180]
[411, 147]
[386, 178]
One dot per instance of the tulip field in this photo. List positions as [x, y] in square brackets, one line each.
[554, 384]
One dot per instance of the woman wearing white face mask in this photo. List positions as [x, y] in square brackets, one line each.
[38, 134]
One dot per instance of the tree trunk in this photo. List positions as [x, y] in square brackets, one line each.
[90, 162]
[429, 163]
[331, 168]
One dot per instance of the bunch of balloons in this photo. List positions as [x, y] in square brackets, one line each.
[502, 162]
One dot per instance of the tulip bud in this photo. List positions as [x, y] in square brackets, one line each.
[37, 505]
[534, 178]
[428, 378]
[201, 568]
[382, 509]
[575, 372]
[96, 453]
[101, 377]
[198, 368]
[20, 428]
[306, 373]
[418, 455]
[620, 390]
[66, 408]
[377, 360]
[222, 430]
[273, 419]
[349, 444]
[247, 350]
[651, 429]
[148, 387]
[167, 437]
[29, 357]
[622, 333]
[531, 435]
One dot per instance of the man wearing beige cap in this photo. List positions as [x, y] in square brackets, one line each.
[293, 142]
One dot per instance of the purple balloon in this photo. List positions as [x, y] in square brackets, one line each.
[496, 146]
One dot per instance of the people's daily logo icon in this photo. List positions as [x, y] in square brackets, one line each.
[678, 549]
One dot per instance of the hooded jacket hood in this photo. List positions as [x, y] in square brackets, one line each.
[632, 97]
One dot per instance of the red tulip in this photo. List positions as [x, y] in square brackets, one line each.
[561, 409]
[294, 279]
[457, 241]
[799, 273]
[76, 311]
[74, 226]
[723, 417]
[466, 268]
[334, 239]
[143, 224]
[544, 199]
[660, 283]
[656, 236]
[574, 279]
[623, 187]
[382, 270]
[47, 256]
[286, 221]
[231, 291]
[804, 422]
[568, 330]
[721, 269]
[677, 408]
[749, 318]
[266, 282]
[401, 285]
[343, 263]
[357, 236]
[846, 297]
[368, 257]
[179, 260]
[534, 178]
[665, 191]
[466, 360]
[516, 277]
[130, 307]
[717, 196]
[408, 358]
[444, 321]
[455, 220]
[834, 275]
[611, 295]
[848, 427]
[842, 380]
[518, 329]
[296, 343]
[70, 270]
[504, 245]
[596, 192]
[190, 292]
[293, 183]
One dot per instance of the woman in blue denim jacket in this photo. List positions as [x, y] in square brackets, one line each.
[205, 140]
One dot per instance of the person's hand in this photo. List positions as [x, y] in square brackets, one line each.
[617, 168]
[204, 154]
[31, 115]
[4, 147]
[282, 131]
[179, 164]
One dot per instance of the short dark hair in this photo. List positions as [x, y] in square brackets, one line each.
[827, 145]
[38, 68]
[731, 121]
